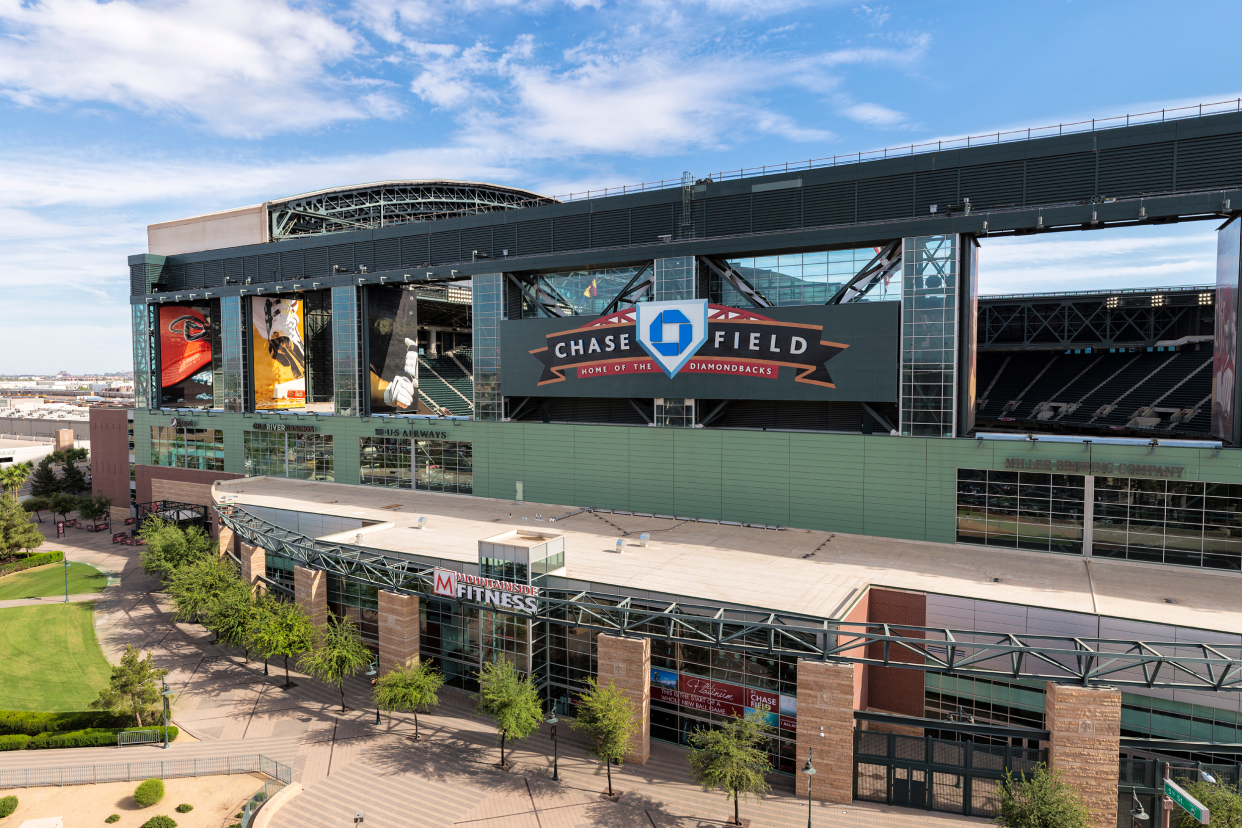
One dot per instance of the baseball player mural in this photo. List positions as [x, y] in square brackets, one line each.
[392, 350]
[279, 353]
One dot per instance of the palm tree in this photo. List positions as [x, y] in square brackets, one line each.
[14, 476]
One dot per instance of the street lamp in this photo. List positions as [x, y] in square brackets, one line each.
[371, 671]
[809, 770]
[166, 693]
[1138, 813]
[66, 580]
[552, 720]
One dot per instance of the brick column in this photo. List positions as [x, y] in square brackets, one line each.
[253, 562]
[826, 700]
[310, 590]
[1085, 725]
[627, 663]
[225, 535]
[398, 630]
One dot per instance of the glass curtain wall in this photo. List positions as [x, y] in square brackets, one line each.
[803, 278]
[675, 278]
[385, 461]
[928, 336]
[359, 603]
[1021, 510]
[444, 466]
[346, 338]
[488, 310]
[233, 350]
[674, 413]
[279, 569]
[1180, 522]
[187, 448]
[288, 454]
[144, 379]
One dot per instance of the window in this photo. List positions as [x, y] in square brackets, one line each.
[674, 413]
[187, 448]
[804, 278]
[443, 466]
[928, 335]
[1021, 510]
[288, 454]
[674, 278]
[385, 461]
[1179, 522]
[359, 603]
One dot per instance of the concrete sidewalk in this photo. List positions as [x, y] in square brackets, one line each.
[50, 599]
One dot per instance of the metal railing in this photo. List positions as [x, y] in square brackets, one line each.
[139, 737]
[1102, 293]
[137, 771]
[966, 142]
[256, 801]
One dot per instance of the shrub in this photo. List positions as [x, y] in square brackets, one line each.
[113, 818]
[16, 741]
[184, 808]
[149, 793]
[31, 561]
[160, 822]
[86, 737]
[32, 724]
[8, 805]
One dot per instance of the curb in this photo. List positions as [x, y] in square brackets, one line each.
[269, 809]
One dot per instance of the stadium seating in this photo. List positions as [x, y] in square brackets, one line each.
[444, 381]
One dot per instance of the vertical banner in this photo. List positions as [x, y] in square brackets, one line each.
[279, 355]
[1225, 348]
[185, 356]
[968, 334]
[392, 349]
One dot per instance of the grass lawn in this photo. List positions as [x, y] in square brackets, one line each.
[51, 660]
[50, 580]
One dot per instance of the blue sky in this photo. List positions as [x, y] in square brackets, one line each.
[116, 115]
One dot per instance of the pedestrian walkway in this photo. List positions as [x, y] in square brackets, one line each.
[50, 599]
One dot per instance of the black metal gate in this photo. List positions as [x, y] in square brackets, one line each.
[935, 774]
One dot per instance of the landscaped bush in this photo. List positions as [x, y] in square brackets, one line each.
[184, 808]
[149, 792]
[8, 805]
[160, 822]
[63, 730]
[16, 741]
[113, 818]
[37, 559]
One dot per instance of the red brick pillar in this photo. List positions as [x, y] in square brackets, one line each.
[310, 590]
[398, 630]
[826, 726]
[1085, 725]
[626, 662]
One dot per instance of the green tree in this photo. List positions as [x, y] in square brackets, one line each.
[44, 482]
[338, 654]
[284, 630]
[233, 615]
[1222, 800]
[62, 504]
[71, 479]
[609, 721]
[409, 688]
[16, 530]
[167, 547]
[733, 757]
[510, 700]
[14, 476]
[36, 505]
[135, 685]
[195, 586]
[94, 508]
[1041, 799]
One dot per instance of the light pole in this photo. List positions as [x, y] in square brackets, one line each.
[1138, 814]
[809, 770]
[371, 671]
[166, 693]
[66, 580]
[552, 720]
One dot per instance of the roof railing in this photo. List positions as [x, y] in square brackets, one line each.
[1105, 292]
[1158, 116]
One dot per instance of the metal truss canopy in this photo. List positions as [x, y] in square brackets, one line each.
[389, 203]
[998, 656]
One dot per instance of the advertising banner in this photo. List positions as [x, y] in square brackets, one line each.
[279, 356]
[392, 349]
[1225, 347]
[722, 698]
[693, 349]
[185, 355]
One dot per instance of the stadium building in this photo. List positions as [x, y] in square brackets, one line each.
[745, 440]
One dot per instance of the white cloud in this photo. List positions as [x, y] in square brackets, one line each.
[875, 15]
[872, 114]
[241, 67]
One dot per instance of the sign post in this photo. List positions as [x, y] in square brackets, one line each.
[1186, 802]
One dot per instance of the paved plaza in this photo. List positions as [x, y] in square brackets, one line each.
[345, 762]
